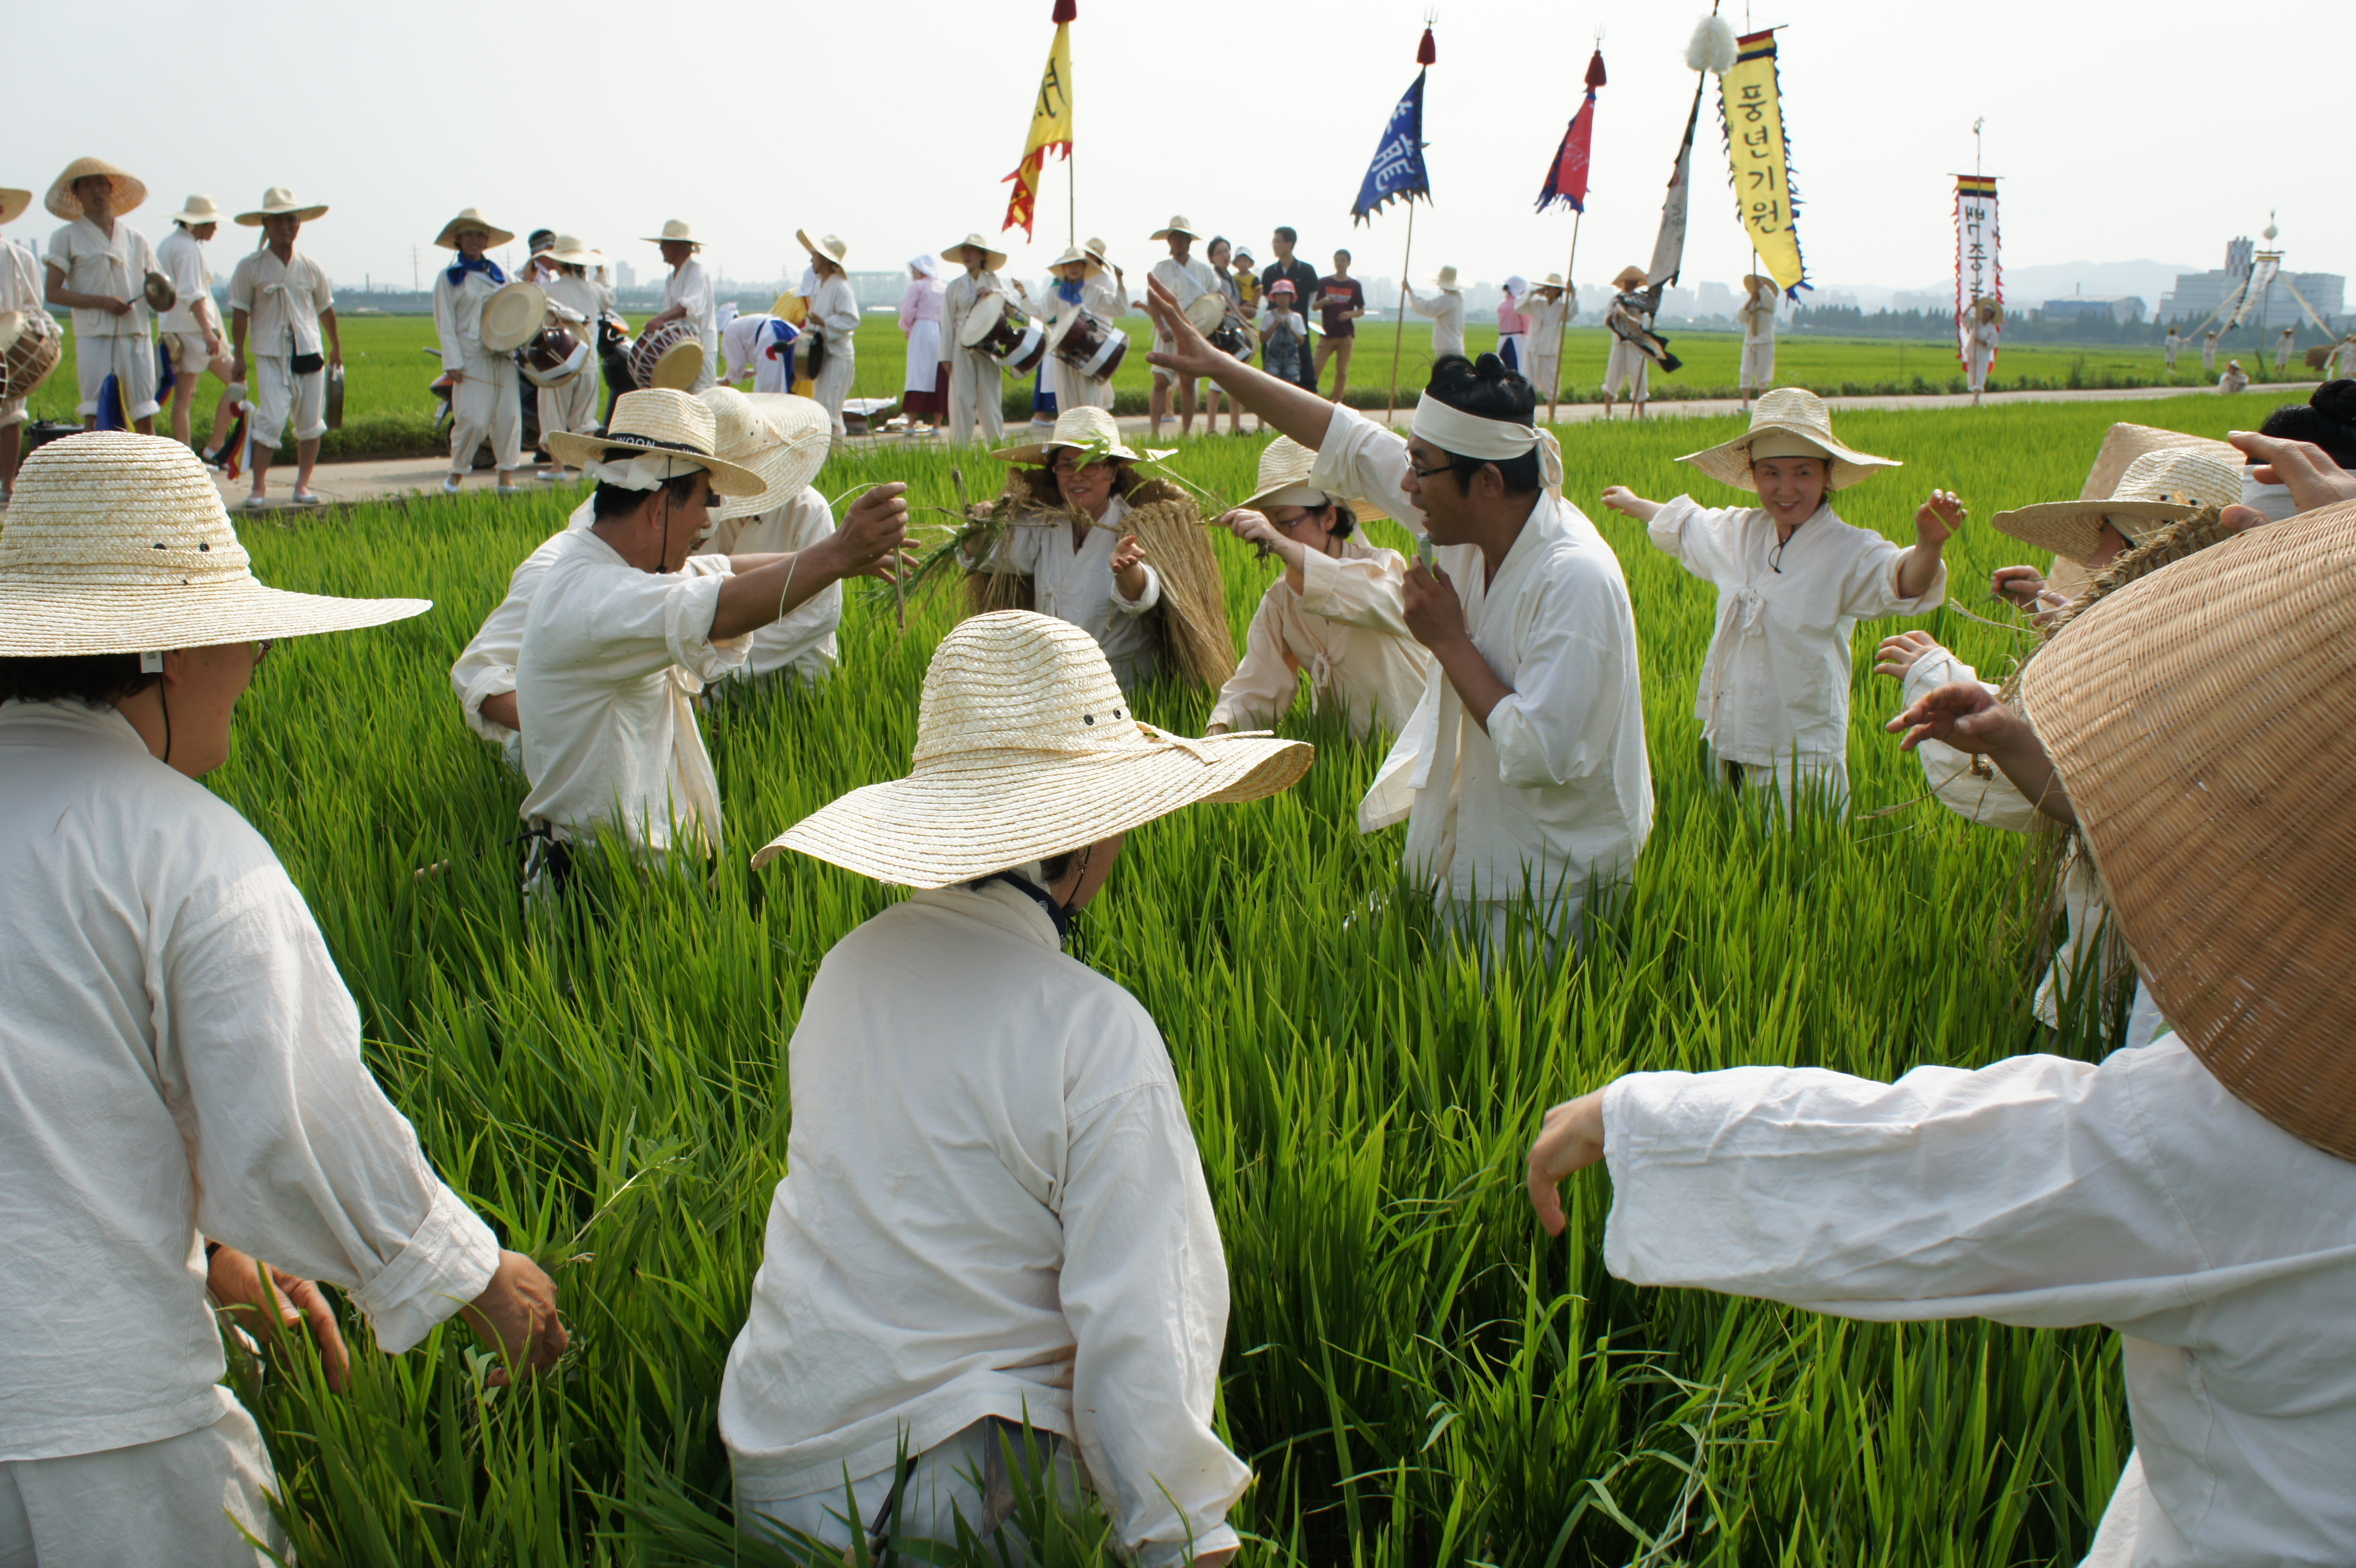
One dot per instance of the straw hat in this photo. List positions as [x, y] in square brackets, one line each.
[569, 252]
[2123, 442]
[2158, 486]
[676, 232]
[1096, 247]
[1553, 280]
[1083, 429]
[1177, 225]
[1791, 411]
[1755, 281]
[1026, 748]
[63, 203]
[990, 260]
[512, 315]
[1445, 282]
[12, 203]
[1284, 468]
[200, 211]
[1628, 276]
[2192, 718]
[778, 437]
[119, 543]
[832, 248]
[660, 420]
[472, 218]
[1091, 267]
[1987, 309]
[279, 202]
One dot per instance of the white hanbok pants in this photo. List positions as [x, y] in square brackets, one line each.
[131, 361]
[486, 406]
[967, 1475]
[1074, 390]
[1976, 366]
[2208, 359]
[570, 407]
[974, 394]
[172, 1501]
[1544, 370]
[1758, 365]
[834, 380]
[1627, 366]
[280, 394]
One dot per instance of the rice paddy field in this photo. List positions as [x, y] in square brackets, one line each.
[1417, 1375]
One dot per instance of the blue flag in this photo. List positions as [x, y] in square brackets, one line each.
[1397, 173]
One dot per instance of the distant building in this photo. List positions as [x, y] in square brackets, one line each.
[2121, 307]
[2198, 295]
[1717, 299]
[624, 276]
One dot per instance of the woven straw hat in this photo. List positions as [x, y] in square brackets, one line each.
[2123, 442]
[1628, 276]
[512, 315]
[2157, 486]
[200, 211]
[1089, 266]
[1754, 280]
[13, 204]
[1445, 281]
[677, 232]
[1081, 428]
[1096, 248]
[781, 437]
[1177, 225]
[1988, 308]
[119, 543]
[1026, 748]
[828, 246]
[569, 252]
[472, 218]
[1794, 410]
[2196, 719]
[990, 260]
[1553, 280]
[279, 202]
[660, 420]
[1284, 464]
[63, 203]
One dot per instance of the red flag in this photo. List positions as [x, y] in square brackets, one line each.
[1566, 178]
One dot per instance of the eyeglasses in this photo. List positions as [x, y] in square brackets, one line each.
[260, 652]
[1433, 473]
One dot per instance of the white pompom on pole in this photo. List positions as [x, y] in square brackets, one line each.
[1712, 49]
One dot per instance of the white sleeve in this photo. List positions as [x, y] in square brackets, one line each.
[1870, 588]
[446, 322]
[1144, 1285]
[1706, 541]
[1560, 722]
[1265, 685]
[488, 667]
[1144, 601]
[1992, 802]
[651, 622]
[1359, 457]
[1357, 590]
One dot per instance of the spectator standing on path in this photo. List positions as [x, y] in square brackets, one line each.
[2170, 345]
[283, 312]
[925, 389]
[1305, 282]
[191, 328]
[1341, 300]
[2209, 354]
[99, 266]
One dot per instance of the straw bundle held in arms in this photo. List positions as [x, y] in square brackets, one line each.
[1194, 635]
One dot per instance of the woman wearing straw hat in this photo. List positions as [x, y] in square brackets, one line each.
[1630, 368]
[1550, 306]
[1081, 288]
[1336, 614]
[99, 266]
[280, 305]
[183, 1060]
[2197, 1195]
[783, 439]
[1758, 317]
[1446, 308]
[582, 303]
[687, 295]
[21, 297]
[1188, 278]
[485, 392]
[834, 312]
[1792, 581]
[190, 331]
[975, 396]
[993, 1252]
[1983, 325]
[620, 635]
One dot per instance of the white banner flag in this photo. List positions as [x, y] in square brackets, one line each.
[1979, 271]
[2262, 278]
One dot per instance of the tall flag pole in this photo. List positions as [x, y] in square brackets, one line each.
[1051, 129]
[1398, 173]
[1750, 107]
[1566, 182]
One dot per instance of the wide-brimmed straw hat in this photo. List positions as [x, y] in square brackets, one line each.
[826, 245]
[1083, 429]
[1630, 275]
[1283, 481]
[472, 218]
[1801, 420]
[569, 251]
[119, 543]
[2158, 486]
[1552, 280]
[512, 315]
[991, 260]
[1757, 279]
[1089, 266]
[1177, 225]
[12, 203]
[676, 232]
[2192, 718]
[279, 202]
[1445, 281]
[200, 211]
[781, 437]
[2123, 442]
[659, 420]
[1988, 308]
[1026, 748]
[1096, 247]
[129, 191]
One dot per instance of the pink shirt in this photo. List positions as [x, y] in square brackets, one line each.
[1510, 320]
[922, 302]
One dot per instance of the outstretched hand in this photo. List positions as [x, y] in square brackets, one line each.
[1963, 714]
[2302, 468]
[1939, 518]
[1190, 353]
[1899, 653]
[1572, 1140]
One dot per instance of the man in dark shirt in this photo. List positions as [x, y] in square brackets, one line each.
[1341, 301]
[1305, 285]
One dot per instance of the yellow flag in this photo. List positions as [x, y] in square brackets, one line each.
[1051, 129]
[1753, 108]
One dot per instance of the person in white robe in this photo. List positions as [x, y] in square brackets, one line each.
[992, 1259]
[687, 295]
[2209, 353]
[1521, 774]
[924, 390]
[1792, 581]
[783, 439]
[578, 299]
[2197, 1195]
[1444, 304]
[1084, 284]
[1548, 308]
[98, 267]
[2284, 346]
[620, 636]
[1757, 315]
[184, 1090]
[977, 402]
[2171, 345]
[758, 348]
[1982, 326]
[1337, 614]
[1187, 278]
[21, 294]
[1629, 369]
[486, 392]
[2342, 363]
[282, 315]
[834, 312]
[190, 332]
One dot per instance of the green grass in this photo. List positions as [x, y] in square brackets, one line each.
[1417, 1375]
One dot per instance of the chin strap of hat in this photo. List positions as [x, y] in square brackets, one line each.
[152, 663]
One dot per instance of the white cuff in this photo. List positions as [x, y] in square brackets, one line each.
[1144, 601]
[446, 1264]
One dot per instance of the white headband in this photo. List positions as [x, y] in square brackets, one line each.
[1493, 440]
[645, 471]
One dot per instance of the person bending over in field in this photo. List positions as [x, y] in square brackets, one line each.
[1522, 773]
[992, 1265]
[2196, 1195]
[621, 633]
[1792, 581]
[178, 1058]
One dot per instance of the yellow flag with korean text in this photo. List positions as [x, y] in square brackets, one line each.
[1751, 103]
[1051, 124]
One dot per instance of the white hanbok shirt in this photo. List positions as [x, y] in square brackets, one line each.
[745, 346]
[993, 1207]
[1186, 282]
[1775, 681]
[458, 317]
[95, 264]
[178, 1058]
[689, 287]
[21, 285]
[611, 656]
[1345, 628]
[1758, 321]
[958, 300]
[803, 639]
[1558, 789]
[1077, 585]
[836, 308]
[580, 301]
[282, 301]
[179, 256]
[1446, 309]
[2045, 1193]
[1546, 318]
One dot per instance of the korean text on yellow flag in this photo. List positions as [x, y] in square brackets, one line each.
[1051, 129]
[1753, 108]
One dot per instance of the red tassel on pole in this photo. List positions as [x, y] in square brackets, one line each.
[1067, 11]
[1425, 52]
[1595, 71]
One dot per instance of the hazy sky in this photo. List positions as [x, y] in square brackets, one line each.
[2114, 131]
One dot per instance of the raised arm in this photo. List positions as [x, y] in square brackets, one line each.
[1293, 411]
[869, 545]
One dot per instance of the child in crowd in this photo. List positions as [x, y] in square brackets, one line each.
[1283, 333]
